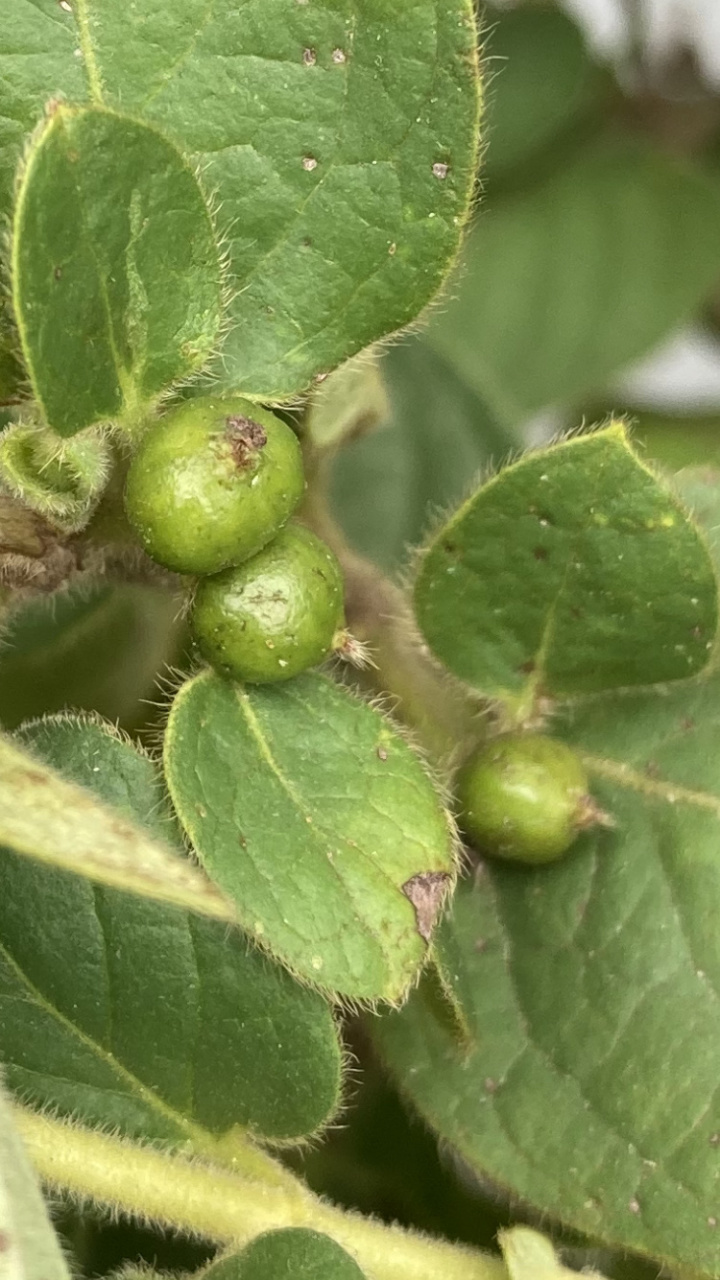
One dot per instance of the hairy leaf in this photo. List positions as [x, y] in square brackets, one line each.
[296, 1252]
[572, 571]
[593, 992]
[139, 1015]
[29, 1249]
[309, 810]
[46, 819]
[117, 290]
[563, 285]
[438, 434]
[530, 1256]
[341, 141]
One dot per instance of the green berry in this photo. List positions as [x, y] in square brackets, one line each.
[525, 797]
[274, 616]
[211, 483]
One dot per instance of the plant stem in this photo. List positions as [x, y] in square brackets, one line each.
[230, 1209]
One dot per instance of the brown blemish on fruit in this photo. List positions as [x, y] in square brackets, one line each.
[246, 438]
[426, 892]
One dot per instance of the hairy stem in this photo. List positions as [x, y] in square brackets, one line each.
[227, 1208]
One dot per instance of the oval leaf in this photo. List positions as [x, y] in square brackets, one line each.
[316, 818]
[117, 294]
[592, 989]
[341, 140]
[137, 1015]
[29, 1248]
[296, 1252]
[571, 572]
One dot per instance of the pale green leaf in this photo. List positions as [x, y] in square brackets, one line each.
[29, 1248]
[563, 285]
[43, 818]
[348, 404]
[572, 571]
[592, 989]
[138, 1015]
[116, 291]
[309, 810]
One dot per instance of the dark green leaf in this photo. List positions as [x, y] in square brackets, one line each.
[544, 85]
[117, 290]
[310, 811]
[100, 650]
[386, 486]
[341, 141]
[593, 991]
[296, 1253]
[563, 285]
[134, 1014]
[29, 1248]
[572, 571]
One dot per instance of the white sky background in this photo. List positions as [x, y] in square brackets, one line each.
[685, 373]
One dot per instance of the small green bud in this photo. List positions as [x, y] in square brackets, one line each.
[211, 483]
[60, 479]
[274, 616]
[525, 797]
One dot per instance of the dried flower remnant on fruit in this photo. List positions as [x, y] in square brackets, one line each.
[246, 439]
[426, 892]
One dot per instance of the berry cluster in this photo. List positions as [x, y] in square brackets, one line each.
[210, 492]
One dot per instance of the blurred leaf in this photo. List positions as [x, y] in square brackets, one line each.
[100, 650]
[341, 141]
[592, 989]
[572, 571]
[139, 1016]
[350, 402]
[387, 486]
[676, 441]
[544, 86]
[29, 1248]
[307, 807]
[117, 294]
[563, 285]
[296, 1253]
[699, 489]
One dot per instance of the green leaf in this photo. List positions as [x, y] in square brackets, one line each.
[135, 1014]
[545, 87]
[699, 489]
[324, 130]
[46, 819]
[117, 294]
[310, 811]
[30, 1248]
[572, 571]
[386, 486]
[296, 1252]
[561, 286]
[593, 992]
[95, 650]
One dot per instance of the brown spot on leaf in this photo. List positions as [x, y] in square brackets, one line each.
[480, 945]
[246, 438]
[528, 667]
[382, 754]
[540, 553]
[687, 723]
[309, 57]
[490, 1085]
[5, 1242]
[57, 273]
[426, 892]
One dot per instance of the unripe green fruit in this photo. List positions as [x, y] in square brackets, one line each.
[211, 483]
[525, 797]
[274, 616]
